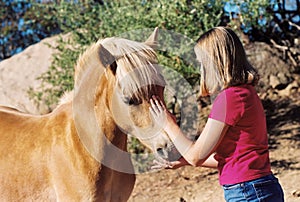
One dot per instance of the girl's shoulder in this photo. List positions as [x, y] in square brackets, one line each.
[239, 88]
[241, 91]
[235, 95]
[229, 105]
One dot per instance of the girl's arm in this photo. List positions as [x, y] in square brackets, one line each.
[210, 162]
[195, 153]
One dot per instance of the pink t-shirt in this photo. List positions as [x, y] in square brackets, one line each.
[243, 153]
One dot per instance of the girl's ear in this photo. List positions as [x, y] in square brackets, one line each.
[152, 40]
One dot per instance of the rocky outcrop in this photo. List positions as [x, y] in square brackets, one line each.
[279, 75]
[20, 72]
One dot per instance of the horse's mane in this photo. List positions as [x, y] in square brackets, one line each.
[137, 65]
[88, 59]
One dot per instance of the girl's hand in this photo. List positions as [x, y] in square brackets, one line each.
[160, 163]
[160, 114]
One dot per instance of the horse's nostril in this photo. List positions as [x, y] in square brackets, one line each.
[160, 151]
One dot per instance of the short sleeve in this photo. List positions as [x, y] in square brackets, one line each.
[227, 107]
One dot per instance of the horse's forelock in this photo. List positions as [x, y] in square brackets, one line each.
[139, 83]
[137, 69]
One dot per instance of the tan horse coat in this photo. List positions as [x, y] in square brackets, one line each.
[42, 158]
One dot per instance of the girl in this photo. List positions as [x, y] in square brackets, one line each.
[234, 139]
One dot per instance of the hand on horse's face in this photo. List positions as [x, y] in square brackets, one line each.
[161, 116]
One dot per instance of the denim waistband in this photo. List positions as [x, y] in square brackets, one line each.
[261, 179]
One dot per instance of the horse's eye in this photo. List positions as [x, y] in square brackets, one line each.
[135, 102]
[132, 101]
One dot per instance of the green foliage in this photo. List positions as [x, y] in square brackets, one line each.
[90, 21]
[59, 78]
[251, 12]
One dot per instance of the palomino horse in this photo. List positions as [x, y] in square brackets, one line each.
[70, 153]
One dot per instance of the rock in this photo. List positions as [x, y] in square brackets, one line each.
[19, 72]
[290, 90]
[273, 81]
[296, 193]
[270, 64]
[283, 79]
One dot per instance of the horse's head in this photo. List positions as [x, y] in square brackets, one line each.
[132, 79]
[129, 76]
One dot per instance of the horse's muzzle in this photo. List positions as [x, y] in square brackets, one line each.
[169, 152]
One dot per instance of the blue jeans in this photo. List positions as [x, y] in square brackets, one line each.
[264, 189]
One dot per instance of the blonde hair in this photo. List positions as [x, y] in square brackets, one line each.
[223, 61]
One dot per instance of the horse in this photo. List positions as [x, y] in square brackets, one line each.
[75, 152]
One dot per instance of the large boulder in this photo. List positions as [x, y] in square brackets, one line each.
[279, 77]
[20, 72]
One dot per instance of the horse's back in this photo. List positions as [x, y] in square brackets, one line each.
[9, 109]
[16, 126]
[22, 170]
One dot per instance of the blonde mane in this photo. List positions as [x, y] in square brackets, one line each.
[88, 59]
[136, 65]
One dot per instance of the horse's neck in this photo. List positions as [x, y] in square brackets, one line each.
[93, 122]
[92, 119]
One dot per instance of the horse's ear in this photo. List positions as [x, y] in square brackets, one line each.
[152, 40]
[107, 59]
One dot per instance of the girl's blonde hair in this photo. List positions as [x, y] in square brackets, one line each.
[223, 61]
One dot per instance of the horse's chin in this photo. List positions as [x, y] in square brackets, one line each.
[173, 154]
